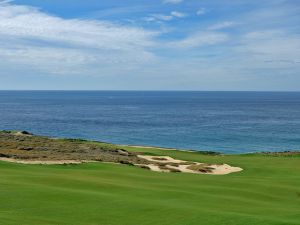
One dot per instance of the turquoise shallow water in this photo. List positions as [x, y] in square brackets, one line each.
[230, 122]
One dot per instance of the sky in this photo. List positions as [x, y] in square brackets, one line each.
[209, 45]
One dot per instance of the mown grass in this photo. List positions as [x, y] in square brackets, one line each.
[266, 192]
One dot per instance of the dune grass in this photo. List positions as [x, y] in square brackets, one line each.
[266, 192]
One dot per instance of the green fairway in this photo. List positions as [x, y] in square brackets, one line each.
[266, 192]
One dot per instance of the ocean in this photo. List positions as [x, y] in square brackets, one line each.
[228, 122]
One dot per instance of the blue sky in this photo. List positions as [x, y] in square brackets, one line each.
[150, 44]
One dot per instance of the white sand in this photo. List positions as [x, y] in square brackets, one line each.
[217, 169]
[46, 162]
[167, 159]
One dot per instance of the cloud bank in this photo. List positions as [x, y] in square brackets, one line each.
[174, 48]
[29, 36]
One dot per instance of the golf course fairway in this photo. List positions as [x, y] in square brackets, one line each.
[266, 192]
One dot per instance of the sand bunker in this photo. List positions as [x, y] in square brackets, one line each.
[168, 164]
[160, 164]
[161, 159]
[26, 148]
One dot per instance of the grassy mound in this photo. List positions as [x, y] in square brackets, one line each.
[25, 146]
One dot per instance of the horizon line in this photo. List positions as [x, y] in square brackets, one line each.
[148, 90]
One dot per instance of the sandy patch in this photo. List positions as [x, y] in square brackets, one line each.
[156, 168]
[161, 159]
[46, 162]
[183, 166]
[225, 169]
[23, 133]
[160, 164]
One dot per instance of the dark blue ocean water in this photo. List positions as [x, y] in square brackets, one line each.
[230, 122]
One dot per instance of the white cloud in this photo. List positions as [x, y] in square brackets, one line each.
[172, 1]
[45, 42]
[2, 2]
[199, 39]
[156, 17]
[201, 11]
[163, 17]
[266, 47]
[270, 46]
[178, 14]
[222, 25]
[25, 22]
